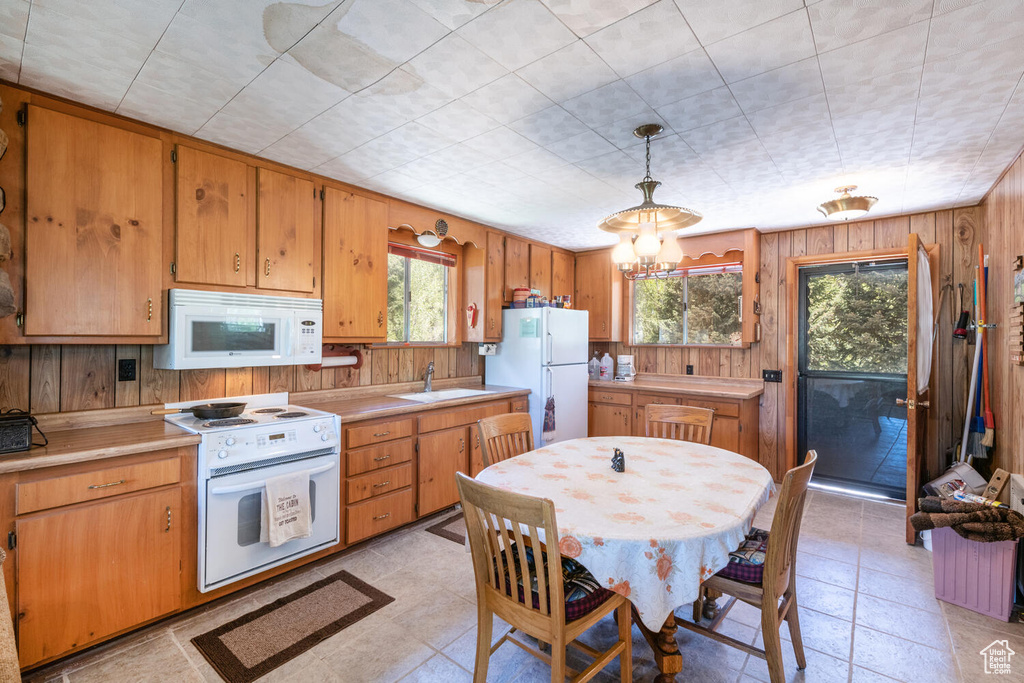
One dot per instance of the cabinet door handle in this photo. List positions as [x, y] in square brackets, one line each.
[238, 261]
[382, 485]
[382, 433]
[380, 319]
[149, 309]
[267, 265]
[462, 445]
[103, 486]
[381, 458]
[384, 516]
[492, 323]
[168, 519]
[604, 326]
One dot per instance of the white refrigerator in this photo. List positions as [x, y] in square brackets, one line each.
[545, 350]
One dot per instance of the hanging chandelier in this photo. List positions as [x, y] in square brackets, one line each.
[845, 207]
[641, 251]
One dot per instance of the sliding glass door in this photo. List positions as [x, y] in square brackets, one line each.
[852, 368]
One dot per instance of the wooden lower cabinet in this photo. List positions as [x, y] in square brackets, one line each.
[92, 570]
[378, 515]
[442, 454]
[476, 452]
[609, 419]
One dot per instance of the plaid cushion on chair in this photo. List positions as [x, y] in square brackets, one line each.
[746, 563]
[583, 594]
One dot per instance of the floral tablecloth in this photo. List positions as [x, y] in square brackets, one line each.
[654, 532]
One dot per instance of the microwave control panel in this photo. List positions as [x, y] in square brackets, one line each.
[310, 337]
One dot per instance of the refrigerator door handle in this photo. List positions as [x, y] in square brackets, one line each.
[551, 383]
[551, 348]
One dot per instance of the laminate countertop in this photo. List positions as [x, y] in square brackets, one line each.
[80, 444]
[710, 387]
[369, 407]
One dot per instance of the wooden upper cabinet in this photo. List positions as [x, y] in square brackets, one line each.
[94, 228]
[494, 285]
[355, 284]
[214, 216]
[563, 273]
[540, 269]
[599, 292]
[285, 232]
[517, 265]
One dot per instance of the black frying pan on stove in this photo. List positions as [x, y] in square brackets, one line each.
[206, 411]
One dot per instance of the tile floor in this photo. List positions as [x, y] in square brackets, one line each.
[868, 614]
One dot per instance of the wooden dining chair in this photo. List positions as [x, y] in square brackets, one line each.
[682, 423]
[763, 585]
[504, 436]
[562, 600]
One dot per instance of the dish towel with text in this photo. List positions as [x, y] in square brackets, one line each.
[286, 513]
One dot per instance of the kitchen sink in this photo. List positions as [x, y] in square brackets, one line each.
[441, 395]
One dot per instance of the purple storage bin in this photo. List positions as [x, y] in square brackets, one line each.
[978, 576]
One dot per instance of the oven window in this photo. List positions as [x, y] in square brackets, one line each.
[233, 335]
[249, 516]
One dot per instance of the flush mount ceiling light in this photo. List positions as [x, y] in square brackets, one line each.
[845, 207]
[640, 249]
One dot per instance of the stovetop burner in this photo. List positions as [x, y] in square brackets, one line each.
[268, 411]
[288, 416]
[230, 422]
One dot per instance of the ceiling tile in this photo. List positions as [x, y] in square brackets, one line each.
[700, 110]
[571, 71]
[583, 146]
[840, 22]
[180, 79]
[713, 21]
[866, 121]
[587, 16]
[613, 166]
[517, 32]
[53, 70]
[549, 125]
[676, 79]
[454, 13]
[785, 84]
[893, 90]
[248, 133]
[507, 99]
[724, 133]
[351, 123]
[498, 173]
[659, 31]
[606, 104]
[391, 181]
[122, 18]
[455, 67]
[428, 170]
[300, 149]
[810, 112]
[286, 95]
[234, 52]
[460, 158]
[458, 121]
[975, 26]
[501, 143]
[172, 110]
[898, 50]
[536, 161]
[10, 57]
[396, 30]
[402, 96]
[14, 18]
[777, 43]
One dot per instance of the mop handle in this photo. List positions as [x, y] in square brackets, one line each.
[970, 398]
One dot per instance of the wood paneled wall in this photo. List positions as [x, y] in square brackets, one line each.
[955, 230]
[1004, 219]
[52, 378]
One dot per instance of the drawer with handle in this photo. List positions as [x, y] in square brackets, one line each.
[619, 398]
[655, 399]
[378, 483]
[377, 515]
[721, 408]
[520, 405]
[377, 433]
[377, 457]
[43, 494]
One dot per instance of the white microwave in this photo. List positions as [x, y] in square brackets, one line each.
[224, 330]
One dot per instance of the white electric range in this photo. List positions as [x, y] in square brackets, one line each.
[236, 456]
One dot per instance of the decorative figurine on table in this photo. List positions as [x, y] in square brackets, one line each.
[619, 461]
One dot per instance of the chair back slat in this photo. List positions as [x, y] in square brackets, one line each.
[505, 436]
[495, 524]
[785, 532]
[682, 423]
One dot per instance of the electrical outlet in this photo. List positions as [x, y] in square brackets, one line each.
[771, 375]
[689, 369]
[126, 370]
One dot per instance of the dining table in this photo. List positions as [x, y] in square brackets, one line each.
[653, 532]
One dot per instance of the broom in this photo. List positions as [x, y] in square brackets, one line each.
[990, 425]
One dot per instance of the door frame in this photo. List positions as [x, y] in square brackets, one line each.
[791, 359]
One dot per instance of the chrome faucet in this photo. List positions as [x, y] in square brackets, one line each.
[428, 377]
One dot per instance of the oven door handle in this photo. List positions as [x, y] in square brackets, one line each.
[256, 485]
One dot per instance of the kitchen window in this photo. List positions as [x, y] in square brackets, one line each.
[695, 306]
[418, 294]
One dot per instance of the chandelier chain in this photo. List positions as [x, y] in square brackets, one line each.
[648, 176]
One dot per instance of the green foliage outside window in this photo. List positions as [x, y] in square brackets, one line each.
[857, 322]
[693, 309]
[417, 301]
